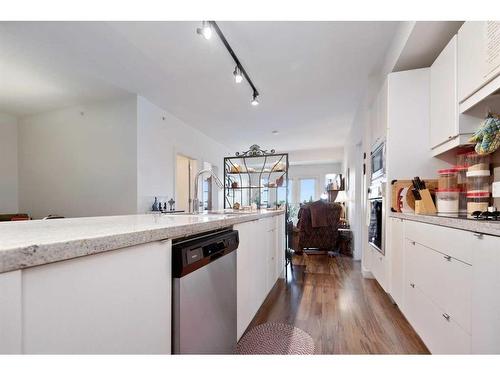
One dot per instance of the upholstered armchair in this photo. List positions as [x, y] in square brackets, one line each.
[318, 226]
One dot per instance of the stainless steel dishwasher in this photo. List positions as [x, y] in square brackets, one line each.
[204, 293]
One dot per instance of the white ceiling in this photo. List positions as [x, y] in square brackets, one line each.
[311, 75]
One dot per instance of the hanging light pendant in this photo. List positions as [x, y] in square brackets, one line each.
[238, 77]
[205, 30]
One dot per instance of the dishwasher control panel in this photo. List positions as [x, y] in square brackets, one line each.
[189, 254]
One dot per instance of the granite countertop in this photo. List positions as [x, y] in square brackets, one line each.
[32, 243]
[478, 226]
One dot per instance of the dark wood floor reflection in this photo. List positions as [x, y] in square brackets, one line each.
[344, 313]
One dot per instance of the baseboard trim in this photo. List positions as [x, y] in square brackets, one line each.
[367, 274]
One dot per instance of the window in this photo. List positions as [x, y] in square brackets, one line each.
[281, 197]
[307, 190]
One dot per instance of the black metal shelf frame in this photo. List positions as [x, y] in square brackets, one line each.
[253, 154]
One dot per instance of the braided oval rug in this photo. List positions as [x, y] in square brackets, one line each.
[275, 338]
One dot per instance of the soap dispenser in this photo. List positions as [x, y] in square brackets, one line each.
[155, 204]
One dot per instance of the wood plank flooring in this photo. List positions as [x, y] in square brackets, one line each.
[343, 312]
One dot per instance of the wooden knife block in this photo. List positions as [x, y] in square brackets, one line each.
[426, 204]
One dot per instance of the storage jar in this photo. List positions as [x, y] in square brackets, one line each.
[478, 181]
[447, 179]
[447, 200]
[477, 162]
[478, 201]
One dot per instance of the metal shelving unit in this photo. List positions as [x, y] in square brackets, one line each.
[258, 176]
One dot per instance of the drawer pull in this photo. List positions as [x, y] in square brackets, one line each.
[448, 258]
[446, 316]
[478, 235]
[412, 285]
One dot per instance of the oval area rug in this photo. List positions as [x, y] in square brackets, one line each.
[275, 338]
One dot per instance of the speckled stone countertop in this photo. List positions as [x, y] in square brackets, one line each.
[32, 243]
[479, 226]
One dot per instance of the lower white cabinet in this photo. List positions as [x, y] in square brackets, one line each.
[446, 282]
[395, 247]
[117, 302]
[10, 313]
[260, 261]
[379, 267]
[485, 295]
[440, 334]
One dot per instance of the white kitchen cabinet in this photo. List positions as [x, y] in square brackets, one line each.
[440, 334]
[117, 302]
[379, 268]
[246, 266]
[471, 58]
[443, 279]
[443, 99]
[395, 246]
[10, 313]
[280, 246]
[448, 127]
[478, 59]
[256, 266]
[485, 295]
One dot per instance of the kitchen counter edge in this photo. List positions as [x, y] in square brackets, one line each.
[485, 227]
[18, 258]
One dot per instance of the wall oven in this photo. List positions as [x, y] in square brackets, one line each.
[376, 209]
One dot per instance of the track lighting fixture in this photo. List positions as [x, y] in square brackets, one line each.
[205, 30]
[238, 77]
[239, 71]
[255, 101]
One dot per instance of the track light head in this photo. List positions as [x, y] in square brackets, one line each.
[238, 77]
[205, 30]
[255, 102]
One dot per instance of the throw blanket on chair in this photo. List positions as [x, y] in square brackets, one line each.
[318, 225]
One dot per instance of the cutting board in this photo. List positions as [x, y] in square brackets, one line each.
[398, 185]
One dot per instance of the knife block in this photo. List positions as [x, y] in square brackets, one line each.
[426, 204]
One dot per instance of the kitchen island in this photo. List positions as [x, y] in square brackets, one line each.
[103, 284]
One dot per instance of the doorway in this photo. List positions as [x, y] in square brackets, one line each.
[185, 173]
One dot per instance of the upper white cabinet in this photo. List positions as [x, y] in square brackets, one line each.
[444, 103]
[448, 127]
[471, 58]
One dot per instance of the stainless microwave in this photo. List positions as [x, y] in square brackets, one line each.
[378, 161]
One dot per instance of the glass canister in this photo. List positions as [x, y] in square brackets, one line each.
[476, 162]
[447, 179]
[477, 201]
[478, 181]
[447, 201]
[462, 186]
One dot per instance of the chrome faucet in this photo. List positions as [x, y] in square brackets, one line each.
[196, 201]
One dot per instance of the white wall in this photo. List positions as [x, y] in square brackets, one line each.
[160, 136]
[79, 161]
[8, 164]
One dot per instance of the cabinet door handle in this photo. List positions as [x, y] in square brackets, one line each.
[478, 235]
[446, 316]
[448, 258]
[412, 242]
[412, 285]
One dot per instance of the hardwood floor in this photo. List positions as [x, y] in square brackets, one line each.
[343, 312]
